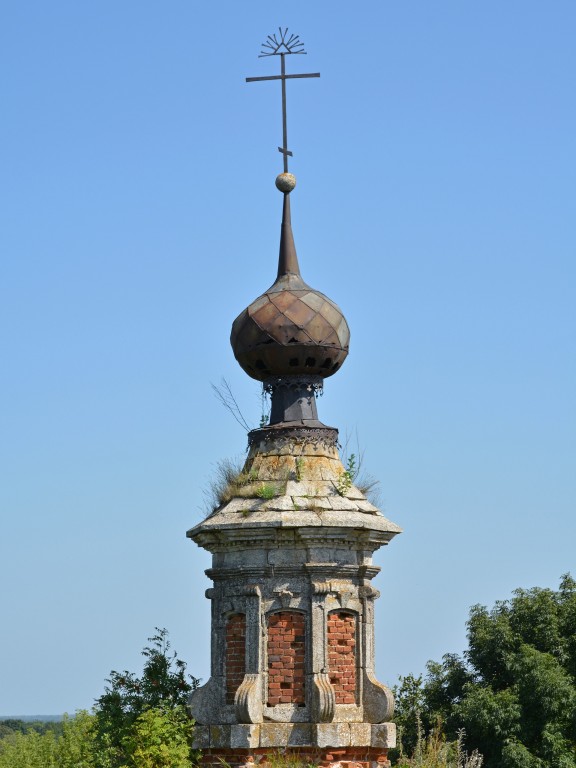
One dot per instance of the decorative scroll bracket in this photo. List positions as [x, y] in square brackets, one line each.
[323, 699]
[248, 700]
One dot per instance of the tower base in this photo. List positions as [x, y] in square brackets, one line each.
[330, 745]
[346, 757]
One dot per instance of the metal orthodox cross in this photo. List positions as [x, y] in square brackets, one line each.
[282, 46]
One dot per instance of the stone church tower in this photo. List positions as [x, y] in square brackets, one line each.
[292, 543]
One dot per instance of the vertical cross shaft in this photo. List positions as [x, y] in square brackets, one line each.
[284, 121]
[283, 77]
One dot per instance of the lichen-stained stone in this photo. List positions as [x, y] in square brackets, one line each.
[241, 503]
[244, 736]
[383, 735]
[342, 503]
[360, 734]
[276, 468]
[312, 503]
[333, 734]
[282, 504]
[288, 556]
[285, 735]
[274, 734]
[300, 735]
[259, 489]
[220, 735]
[331, 471]
[307, 488]
[366, 506]
[201, 738]
[354, 493]
[312, 469]
[330, 554]
[348, 713]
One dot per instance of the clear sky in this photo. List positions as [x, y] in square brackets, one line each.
[436, 166]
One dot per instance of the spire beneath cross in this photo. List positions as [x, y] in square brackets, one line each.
[282, 45]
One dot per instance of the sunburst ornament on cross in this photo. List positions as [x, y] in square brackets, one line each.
[282, 45]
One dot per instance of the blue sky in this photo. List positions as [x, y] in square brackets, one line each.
[436, 167]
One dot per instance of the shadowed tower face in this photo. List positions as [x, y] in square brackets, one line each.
[292, 543]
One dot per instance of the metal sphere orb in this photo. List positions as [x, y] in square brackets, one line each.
[285, 182]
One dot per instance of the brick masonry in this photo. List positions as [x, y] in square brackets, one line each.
[342, 656]
[235, 654]
[286, 658]
[350, 757]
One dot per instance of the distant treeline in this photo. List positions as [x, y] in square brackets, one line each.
[15, 725]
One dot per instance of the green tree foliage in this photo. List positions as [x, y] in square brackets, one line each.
[139, 722]
[163, 687]
[13, 725]
[160, 737]
[514, 690]
[409, 706]
[73, 748]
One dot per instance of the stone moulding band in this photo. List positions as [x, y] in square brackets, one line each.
[287, 435]
[347, 738]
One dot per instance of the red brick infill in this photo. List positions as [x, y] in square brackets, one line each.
[342, 656]
[286, 658]
[235, 654]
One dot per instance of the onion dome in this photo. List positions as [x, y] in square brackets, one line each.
[291, 329]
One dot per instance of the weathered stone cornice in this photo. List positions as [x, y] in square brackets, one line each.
[224, 530]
